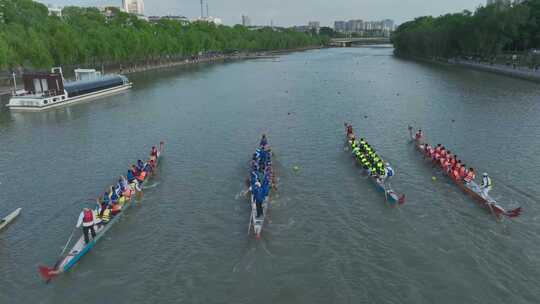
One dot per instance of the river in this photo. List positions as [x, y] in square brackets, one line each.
[331, 238]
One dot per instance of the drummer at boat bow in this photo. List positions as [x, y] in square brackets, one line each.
[86, 219]
[419, 135]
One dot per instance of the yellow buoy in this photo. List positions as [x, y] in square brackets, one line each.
[296, 168]
[433, 178]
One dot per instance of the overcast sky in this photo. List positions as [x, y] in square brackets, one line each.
[295, 12]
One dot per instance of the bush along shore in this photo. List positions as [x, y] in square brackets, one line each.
[85, 37]
[499, 38]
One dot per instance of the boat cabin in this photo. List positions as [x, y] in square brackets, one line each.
[43, 84]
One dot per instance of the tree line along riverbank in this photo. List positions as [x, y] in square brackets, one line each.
[31, 39]
[492, 35]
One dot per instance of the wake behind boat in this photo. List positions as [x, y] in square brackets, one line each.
[462, 176]
[261, 182]
[373, 165]
[108, 212]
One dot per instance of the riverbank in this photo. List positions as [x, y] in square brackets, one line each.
[519, 72]
[194, 60]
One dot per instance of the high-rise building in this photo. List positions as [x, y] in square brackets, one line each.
[340, 26]
[388, 25]
[503, 2]
[133, 6]
[246, 21]
[355, 26]
[314, 26]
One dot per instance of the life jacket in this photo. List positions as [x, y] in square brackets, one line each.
[486, 183]
[127, 193]
[141, 176]
[115, 209]
[106, 215]
[88, 216]
[455, 174]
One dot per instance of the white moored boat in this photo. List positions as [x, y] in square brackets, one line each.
[8, 219]
[50, 90]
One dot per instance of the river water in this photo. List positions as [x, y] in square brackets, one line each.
[331, 238]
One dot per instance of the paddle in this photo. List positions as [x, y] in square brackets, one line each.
[385, 192]
[250, 220]
[48, 273]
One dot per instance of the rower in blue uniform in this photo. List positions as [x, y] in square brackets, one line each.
[130, 177]
[140, 165]
[258, 195]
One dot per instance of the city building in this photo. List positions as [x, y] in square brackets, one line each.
[340, 26]
[355, 26]
[365, 28]
[503, 2]
[314, 26]
[302, 28]
[210, 19]
[177, 18]
[133, 6]
[246, 21]
[54, 11]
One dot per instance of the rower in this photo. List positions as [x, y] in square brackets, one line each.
[389, 171]
[463, 171]
[114, 196]
[86, 219]
[438, 148]
[140, 164]
[130, 177]
[362, 142]
[443, 152]
[470, 176]
[265, 187]
[486, 185]
[147, 168]
[455, 170]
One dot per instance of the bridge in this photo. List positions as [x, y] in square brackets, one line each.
[348, 42]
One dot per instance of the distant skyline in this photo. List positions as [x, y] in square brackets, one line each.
[299, 12]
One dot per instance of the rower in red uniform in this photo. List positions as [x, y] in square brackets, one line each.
[453, 160]
[470, 176]
[444, 152]
[428, 149]
[438, 148]
[455, 170]
[445, 165]
[463, 171]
